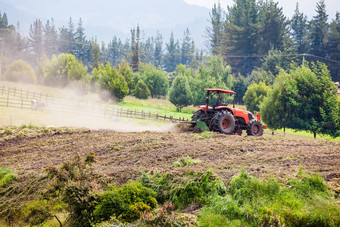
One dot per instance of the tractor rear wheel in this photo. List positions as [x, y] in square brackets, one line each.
[223, 122]
[198, 115]
[254, 128]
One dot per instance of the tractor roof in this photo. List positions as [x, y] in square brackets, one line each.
[220, 90]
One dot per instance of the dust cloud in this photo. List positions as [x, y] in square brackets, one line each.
[72, 107]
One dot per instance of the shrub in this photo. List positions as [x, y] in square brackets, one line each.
[72, 183]
[20, 71]
[255, 95]
[182, 191]
[6, 177]
[141, 91]
[126, 202]
[305, 201]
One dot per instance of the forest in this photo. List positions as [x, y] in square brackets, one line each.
[254, 49]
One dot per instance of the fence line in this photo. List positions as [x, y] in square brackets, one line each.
[20, 99]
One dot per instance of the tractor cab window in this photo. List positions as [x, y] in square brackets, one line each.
[216, 99]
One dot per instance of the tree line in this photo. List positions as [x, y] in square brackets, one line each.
[253, 34]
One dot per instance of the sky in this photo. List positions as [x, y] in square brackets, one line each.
[305, 6]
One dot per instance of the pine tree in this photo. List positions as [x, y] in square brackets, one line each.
[334, 47]
[135, 49]
[216, 31]
[115, 51]
[187, 49]
[80, 42]
[67, 38]
[172, 57]
[180, 92]
[319, 30]
[158, 50]
[241, 35]
[95, 54]
[299, 31]
[273, 28]
[148, 50]
[50, 38]
[35, 40]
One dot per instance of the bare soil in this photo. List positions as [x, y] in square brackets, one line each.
[124, 156]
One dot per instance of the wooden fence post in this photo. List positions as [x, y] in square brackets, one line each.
[3, 88]
[149, 115]
[157, 116]
[22, 103]
[7, 99]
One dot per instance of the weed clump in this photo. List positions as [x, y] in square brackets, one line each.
[186, 161]
[6, 177]
[126, 203]
[184, 190]
[305, 201]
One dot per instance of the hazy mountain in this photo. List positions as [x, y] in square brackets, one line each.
[105, 18]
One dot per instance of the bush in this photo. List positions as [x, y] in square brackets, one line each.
[20, 71]
[141, 91]
[182, 191]
[255, 95]
[6, 177]
[180, 92]
[305, 201]
[125, 203]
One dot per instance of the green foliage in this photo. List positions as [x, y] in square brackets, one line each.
[141, 91]
[6, 177]
[214, 74]
[304, 99]
[255, 95]
[72, 183]
[61, 70]
[110, 79]
[126, 202]
[184, 190]
[20, 71]
[205, 134]
[125, 70]
[155, 80]
[185, 161]
[180, 92]
[251, 202]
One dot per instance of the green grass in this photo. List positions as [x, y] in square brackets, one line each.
[6, 177]
[160, 106]
[185, 161]
[308, 134]
[305, 201]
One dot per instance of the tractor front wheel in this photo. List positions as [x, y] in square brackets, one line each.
[224, 122]
[254, 128]
[198, 115]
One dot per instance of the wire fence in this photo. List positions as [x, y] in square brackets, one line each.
[30, 100]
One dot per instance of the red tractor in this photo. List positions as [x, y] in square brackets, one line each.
[224, 119]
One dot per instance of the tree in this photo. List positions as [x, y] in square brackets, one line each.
[319, 30]
[214, 74]
[155, 79]
[95, 54]
[255, 95]
[240, 85]
[36, 38]
[61, 70]
[141, 91]
[80, 42]
[180, 92]
[304, 99]
[110, 79]
[173, 54]
[334, 47]
[158, 50]
[50, 38]
[20, 71]
[135, 49]
[241, 35]
[187, 49]
[215, 32]
[299, 31]
[125, 70]
[273, 27]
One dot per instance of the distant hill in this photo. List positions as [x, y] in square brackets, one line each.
[105, 18]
